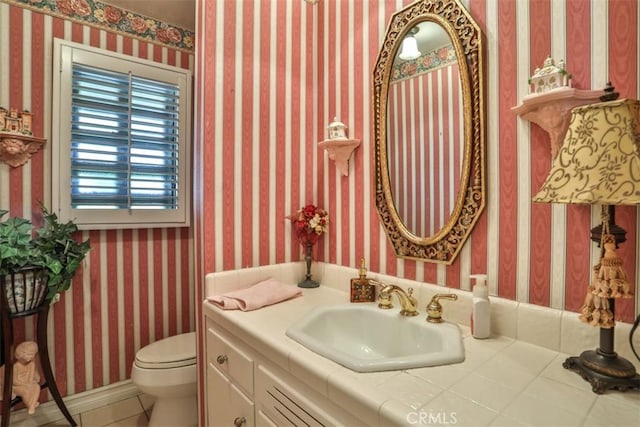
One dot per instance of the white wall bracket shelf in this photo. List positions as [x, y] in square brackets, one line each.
[551, 110]
[340, 150]
[16, 149]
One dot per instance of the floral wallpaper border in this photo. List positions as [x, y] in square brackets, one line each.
[114, 18]
[427, 62]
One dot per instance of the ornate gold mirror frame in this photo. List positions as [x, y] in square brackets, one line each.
[445, 244]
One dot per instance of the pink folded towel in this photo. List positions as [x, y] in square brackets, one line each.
[259, 295]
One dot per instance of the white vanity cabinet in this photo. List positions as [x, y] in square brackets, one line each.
[270, 380]
[229, 382]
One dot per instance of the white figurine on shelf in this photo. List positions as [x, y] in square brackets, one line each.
[337, 129]
[26, 379]
[549, 77]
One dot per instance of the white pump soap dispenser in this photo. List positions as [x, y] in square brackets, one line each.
[481, 312]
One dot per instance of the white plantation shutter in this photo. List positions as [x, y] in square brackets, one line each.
[123, 141]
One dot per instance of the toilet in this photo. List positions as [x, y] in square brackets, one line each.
[166, 370]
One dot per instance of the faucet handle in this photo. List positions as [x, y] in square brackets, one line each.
[434, 309]
[384, 297]
[384, 300]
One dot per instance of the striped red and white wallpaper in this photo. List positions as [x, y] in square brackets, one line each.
[136, 286]
[273, 74]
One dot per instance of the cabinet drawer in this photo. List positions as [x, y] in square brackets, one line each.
[227, 405]
[232, 360]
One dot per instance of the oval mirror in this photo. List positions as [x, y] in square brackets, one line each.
[429, 125]
[424, 104]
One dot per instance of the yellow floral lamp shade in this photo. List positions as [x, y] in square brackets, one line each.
[599, 161]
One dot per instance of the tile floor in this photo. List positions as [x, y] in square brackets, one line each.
[131, 412]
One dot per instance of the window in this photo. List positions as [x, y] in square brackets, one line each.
[121, 149]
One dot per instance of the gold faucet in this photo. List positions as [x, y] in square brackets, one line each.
[434, 309]
[408, 303]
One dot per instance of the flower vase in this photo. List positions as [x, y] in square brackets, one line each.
[308, 282]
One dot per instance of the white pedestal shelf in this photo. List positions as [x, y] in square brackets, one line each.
[340, 150]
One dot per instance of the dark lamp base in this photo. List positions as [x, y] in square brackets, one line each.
[308, 283]
[604, 371]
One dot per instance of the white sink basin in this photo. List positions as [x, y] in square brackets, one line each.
[364, 338]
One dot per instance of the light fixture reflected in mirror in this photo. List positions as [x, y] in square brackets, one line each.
[410, 49]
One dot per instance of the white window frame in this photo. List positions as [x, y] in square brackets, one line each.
[66, 53]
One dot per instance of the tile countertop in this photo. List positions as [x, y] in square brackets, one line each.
[502, 382]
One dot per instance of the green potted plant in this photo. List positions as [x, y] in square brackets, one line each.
[50, 254]
[60, 253]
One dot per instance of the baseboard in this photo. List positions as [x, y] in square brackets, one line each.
[49, 412]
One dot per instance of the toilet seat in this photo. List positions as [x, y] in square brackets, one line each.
[172, 352]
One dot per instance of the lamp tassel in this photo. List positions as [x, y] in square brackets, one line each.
[609, 281]
[612, 280]
[595, 310]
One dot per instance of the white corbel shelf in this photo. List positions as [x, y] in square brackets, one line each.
[551, 110]
[340, 150]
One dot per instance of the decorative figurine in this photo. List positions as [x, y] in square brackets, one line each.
[14, 122]
[339, 146]
[17, 142]
[26, 379]
[337, 129]
[549, 77]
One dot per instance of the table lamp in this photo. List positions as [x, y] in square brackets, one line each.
[599, 163]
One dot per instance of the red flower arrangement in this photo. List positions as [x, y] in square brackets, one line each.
[309, 223]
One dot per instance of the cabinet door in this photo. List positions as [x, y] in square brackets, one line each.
[288, 402]
[227, 406]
